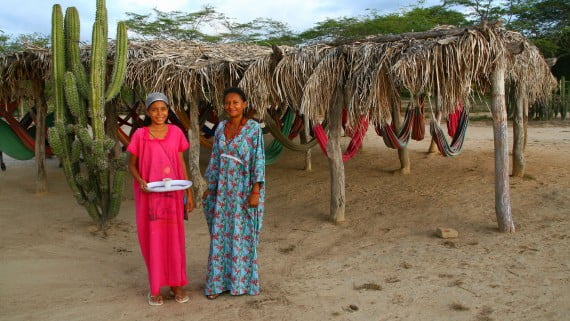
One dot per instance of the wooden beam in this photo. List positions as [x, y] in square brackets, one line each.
[403, 153]
[40, 146]
[198, 182]
[336, 165]
[519, 136]
[304, 140]
[500, 136]
[513, 47]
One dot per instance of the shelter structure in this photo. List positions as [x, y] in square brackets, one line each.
[365, 78]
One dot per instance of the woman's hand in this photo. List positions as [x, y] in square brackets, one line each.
[205, 195]
[253, 200]
[189, 201]
[143, 186]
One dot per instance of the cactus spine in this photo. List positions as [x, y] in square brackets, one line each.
[95, 175]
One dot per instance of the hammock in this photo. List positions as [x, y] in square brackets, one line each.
[355, 142]
[275, 131]
[185, 121]
[453, 120]
[12, 145]
[453, 149]
[274, 149]
[419, 126]
[400, 139]
[23, 135]
[296, 128]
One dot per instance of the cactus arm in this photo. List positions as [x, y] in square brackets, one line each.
[75, 104]
[58, 61]
[120, 65]
[72, 28]
[97, 77]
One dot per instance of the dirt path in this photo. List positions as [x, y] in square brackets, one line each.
[384, 263]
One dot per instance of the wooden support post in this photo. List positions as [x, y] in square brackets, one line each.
[336, 165]
[305, 139]
[198, 182]
[432, 146]
[525, 123]
[403, 153]
[500, 135]
[518, 136]
[40, 148]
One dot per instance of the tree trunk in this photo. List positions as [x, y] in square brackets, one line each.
[518, 135]
[500, 135]
[305, 139]
[336, 165]
[198, 182]
[40, 148]
[433, 146]
[525, 123]
[403, 153]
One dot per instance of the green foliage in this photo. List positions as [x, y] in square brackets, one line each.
[174, 25]
[10, 44]
[481, 10]
[352, 28]
[94, 173]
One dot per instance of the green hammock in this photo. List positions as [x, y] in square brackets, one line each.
[12, 145]
[274, 149]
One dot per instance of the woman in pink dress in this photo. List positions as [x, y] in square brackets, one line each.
[156, 154]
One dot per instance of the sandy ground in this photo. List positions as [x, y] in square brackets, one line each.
[384, 263]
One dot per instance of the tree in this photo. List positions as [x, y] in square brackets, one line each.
[352, 28]
[260, 30]
[482, 10]
[9, 44]
[545, 22]
[175, 24]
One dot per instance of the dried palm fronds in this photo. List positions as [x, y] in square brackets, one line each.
[324, 85]
[369, 76]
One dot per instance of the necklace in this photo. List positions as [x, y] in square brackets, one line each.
[231, 131]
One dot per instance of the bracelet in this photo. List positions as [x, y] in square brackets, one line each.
[253, 192]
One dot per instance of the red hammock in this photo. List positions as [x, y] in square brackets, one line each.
[400, 139]
[355, 142]
[419, 126]
[453, 120]
[296, 127]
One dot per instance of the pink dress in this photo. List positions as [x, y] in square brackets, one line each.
[160, 222]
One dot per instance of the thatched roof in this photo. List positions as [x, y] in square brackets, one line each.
[369, 75]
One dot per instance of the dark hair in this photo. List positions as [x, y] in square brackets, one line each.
[235, 90]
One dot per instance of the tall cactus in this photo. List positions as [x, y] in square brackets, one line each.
[95, 175]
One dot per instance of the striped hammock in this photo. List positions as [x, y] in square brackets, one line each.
[355, 143]
[438, 134]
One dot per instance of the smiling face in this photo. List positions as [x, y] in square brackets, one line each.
[158, 112]
[234, 105]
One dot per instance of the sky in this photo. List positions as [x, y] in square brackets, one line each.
[30, 16]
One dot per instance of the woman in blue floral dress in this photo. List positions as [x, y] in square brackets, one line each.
[234, 201]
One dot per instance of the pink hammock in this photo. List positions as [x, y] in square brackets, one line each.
[355, 143]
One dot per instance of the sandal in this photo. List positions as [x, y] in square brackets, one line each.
[180, 298]
[212, 296]
[155, 300]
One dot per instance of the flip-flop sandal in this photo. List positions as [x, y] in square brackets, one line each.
[179, 298]
[212, 296]
[155, 300]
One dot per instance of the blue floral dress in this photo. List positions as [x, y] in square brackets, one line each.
[234, 167]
